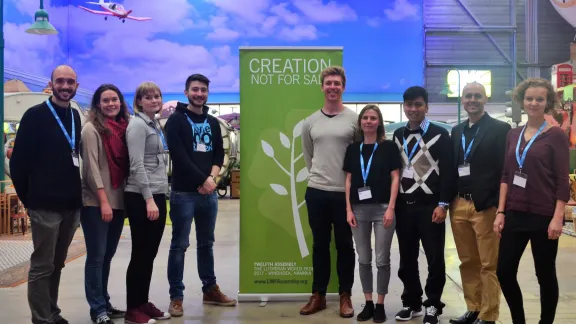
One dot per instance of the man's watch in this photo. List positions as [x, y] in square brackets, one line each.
[443, 205]
[501, 212]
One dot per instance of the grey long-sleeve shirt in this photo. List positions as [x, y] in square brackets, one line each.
[147, 161]
[324, 143]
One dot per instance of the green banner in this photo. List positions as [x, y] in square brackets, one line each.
[279, 88]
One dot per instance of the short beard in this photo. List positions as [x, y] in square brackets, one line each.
[194, 105]
[57, 95]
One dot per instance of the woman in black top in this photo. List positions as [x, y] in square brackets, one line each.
[372, 178]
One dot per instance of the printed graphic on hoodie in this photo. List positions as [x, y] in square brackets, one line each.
[202, 135]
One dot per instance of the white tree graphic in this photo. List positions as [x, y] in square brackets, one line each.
[301, 176]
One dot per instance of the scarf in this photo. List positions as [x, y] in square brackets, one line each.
[116, 151]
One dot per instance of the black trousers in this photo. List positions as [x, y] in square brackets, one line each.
[327, 209]
[146, 237]
[414, 223]
[544, 251]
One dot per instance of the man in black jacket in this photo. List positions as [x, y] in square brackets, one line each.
[479, 146]
[426, 190]
[197, 152]
[45, 173]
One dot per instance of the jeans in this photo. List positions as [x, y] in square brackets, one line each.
[327, 209]
[544, 251]
[146, 237]
[414, 223]
[101, 242]
[184, 208]
[368, 216]
[52, 233]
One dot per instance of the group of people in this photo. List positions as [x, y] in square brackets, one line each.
[113, 168]
[502, 187]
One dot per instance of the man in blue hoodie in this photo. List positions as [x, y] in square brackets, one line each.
[197, 152]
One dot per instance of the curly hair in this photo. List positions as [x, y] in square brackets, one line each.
[333, 70]
[380, 131]
[552, 100]
[95, 114]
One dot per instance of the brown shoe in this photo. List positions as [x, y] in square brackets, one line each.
[176, 308]
[216, 297]
[346, 309]
[315, 304]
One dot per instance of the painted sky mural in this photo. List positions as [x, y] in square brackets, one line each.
[382, 40]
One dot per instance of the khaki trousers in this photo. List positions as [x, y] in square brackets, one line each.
[477, 247]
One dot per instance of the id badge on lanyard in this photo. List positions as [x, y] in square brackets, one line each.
[71, 139]
[365, 192]
[520, 178]
[408, 171]
[464, 168]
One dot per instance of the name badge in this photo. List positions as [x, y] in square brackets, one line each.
[364, 193]
[408, 173]
[520, 179]
[201, 147]
[464, 170]
[75, 160]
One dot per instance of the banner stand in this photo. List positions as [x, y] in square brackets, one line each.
[279, 88]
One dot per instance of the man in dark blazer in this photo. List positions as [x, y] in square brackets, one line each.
[479, 146]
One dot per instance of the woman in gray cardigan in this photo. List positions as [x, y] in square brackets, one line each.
[145, 201]
[104, 171]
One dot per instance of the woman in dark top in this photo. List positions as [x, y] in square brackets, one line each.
[372, 179]
[533, 193]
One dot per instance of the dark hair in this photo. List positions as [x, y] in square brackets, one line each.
[552, 99]
[197, 77]
[95, 114]
[380, 131]
[415, 92]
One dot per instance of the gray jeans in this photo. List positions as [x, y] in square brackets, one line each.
[368, 216]
[52, 233]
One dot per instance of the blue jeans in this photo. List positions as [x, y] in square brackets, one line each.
[184, 208]
[101, 242]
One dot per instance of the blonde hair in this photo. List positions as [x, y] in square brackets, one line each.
[143, 89]
[333, 70]
[552, 100]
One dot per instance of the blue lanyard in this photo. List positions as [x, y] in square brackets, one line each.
[405, 145]
[467, 150]
[367, 170]
[519, 159]
[71, 141]
[201, 130]
[163, 139]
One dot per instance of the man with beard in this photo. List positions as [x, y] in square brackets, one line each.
[325, 136]
[46, 176]
[479, 146]
[197, 152]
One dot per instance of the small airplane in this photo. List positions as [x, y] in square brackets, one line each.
[113, 9]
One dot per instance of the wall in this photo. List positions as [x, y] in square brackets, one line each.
[473, 50]
[186, 36]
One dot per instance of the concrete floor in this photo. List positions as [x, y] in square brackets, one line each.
[72, 301]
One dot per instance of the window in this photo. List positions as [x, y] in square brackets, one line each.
[483, 77]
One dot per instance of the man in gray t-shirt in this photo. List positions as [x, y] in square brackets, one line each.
[325, 135]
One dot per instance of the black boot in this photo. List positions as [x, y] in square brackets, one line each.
[379, 314]
[367, 313]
